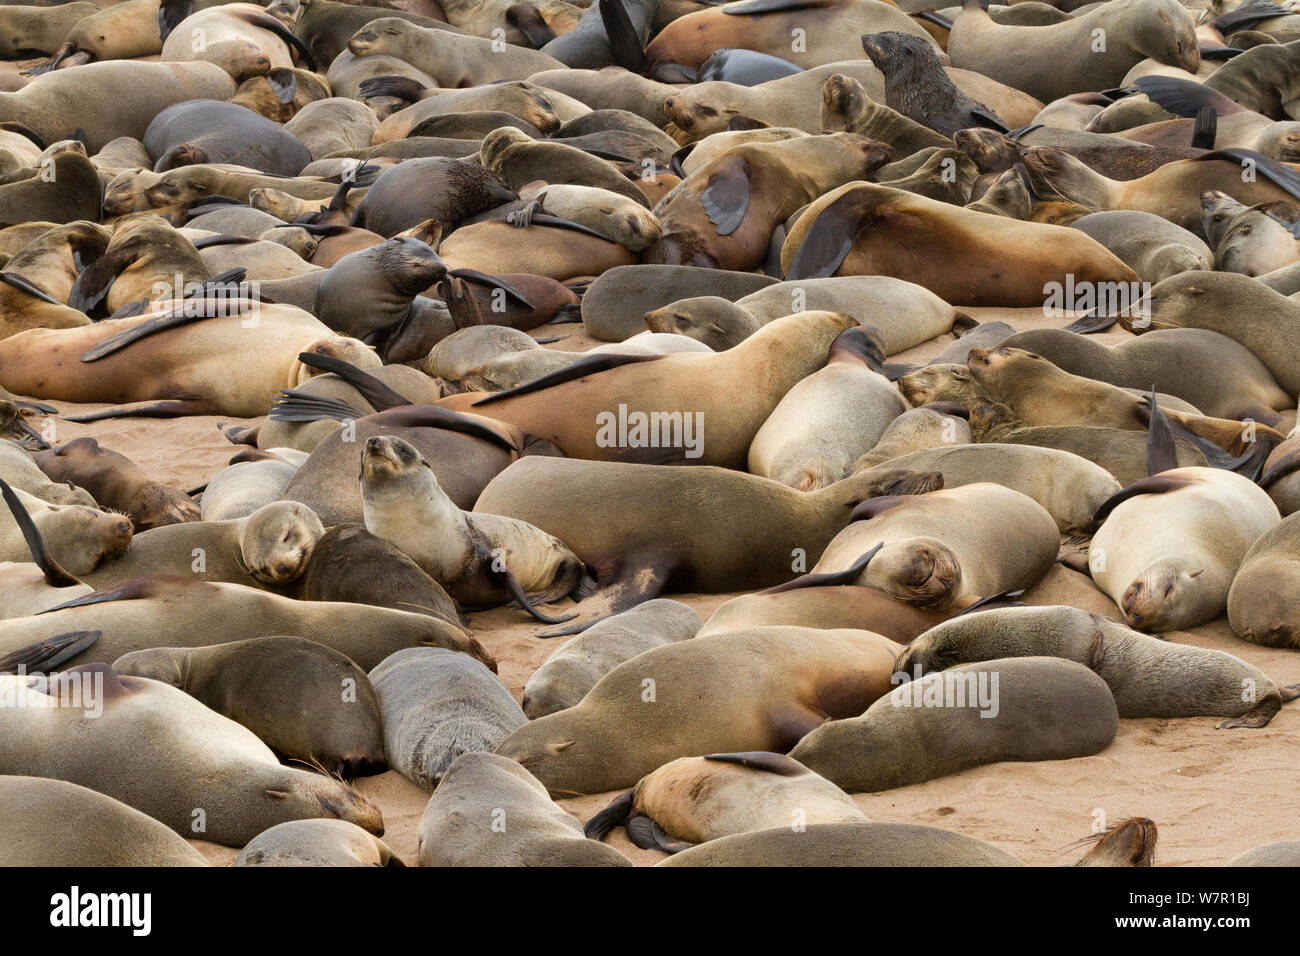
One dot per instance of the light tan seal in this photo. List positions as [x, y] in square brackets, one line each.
[1262, 606]
[317, 843]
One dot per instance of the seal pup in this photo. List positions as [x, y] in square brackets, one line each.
[1046, 708]
[46, 822]
[1147, 676]
[794, 679]
[117, 483]
[1261, 601]
[247, 485]
[575, 666]
[479, 558]
[829, 419]
[437, 705]
[77, 537]
[1169, 546]
[692, 800]
[159, 750]
[317, 843]
[305, 701]
[1151, 246]
[490, 811]
[914, 430]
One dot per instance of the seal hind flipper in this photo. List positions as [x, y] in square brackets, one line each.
[400, 87]
[171, 13]
[827, 578]
[1206, 129]
[1248, 15]
[646, 834]
[1279, 174]
[55, 575]
[1151, 485]
[1092, 322]
[616, 813]
[49, 653]
[726, 198]
[588, 365]
[379, 395]
[1162, 454]
[624, 40]
[300, 406]
[283, 84]
[26, 285]
[831, 237]
[765, 760]
[1258, 716]
[1184, 97]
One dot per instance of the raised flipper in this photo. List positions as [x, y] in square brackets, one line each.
[615, 814]
[380, 396]
[827, 578]
[171, 13]
[1248, 15]
[624, 40]
[1162, 454]
[55, 575]
[831, 238]
[49, 653]
[726, 198]
[295, 405]
[587, 365]
[1206, 129]
[528, 20]
[271, 24]
[1184, 98]
[1152, 485]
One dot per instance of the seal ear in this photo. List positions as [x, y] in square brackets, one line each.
[726, 199]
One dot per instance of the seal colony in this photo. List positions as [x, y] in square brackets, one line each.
[888, 404]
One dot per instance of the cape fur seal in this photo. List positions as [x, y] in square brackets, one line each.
[316, 843]
[1045, 708]
[1261, 601]
[117, 483]
[302, 699]
[159, 750]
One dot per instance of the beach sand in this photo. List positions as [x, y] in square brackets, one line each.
[1212, 793]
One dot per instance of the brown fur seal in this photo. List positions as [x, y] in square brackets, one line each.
[117, 483]
[448, 190]
[943, 549]
[692, 800]
[593, 394]
[122, 31]
[793, 678]
[1199, 366]
[181, 369]
[1132, 29]
[829, 419]
[1262, 602]
[1043, 708]
[613, 306]
[159, 750]
[518, 159]
[903, 313]
[316, 843]
[79, 538]
[167, 611]
[304, 700]
[19, 469]
[46, 822]
[724, 214]
[454, 61]
[1169, 546]
[1147, 676]
[575, 666]
[438, 704]
[479, 558]
[489, 811]
[206, 131]
[64, 189]
[854, 230]
[677, 542]
[110, 99]
[32, 29]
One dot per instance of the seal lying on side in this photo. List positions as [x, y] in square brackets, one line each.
[1045, 709]
[159, 750]
[1147, 676]
[1169, 545]
[438, 704]
[317, 843]
[761, 689]
[117, 483]
[696, 799]
[489, 811]
[304, 700]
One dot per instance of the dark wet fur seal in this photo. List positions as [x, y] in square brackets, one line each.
[917, 86]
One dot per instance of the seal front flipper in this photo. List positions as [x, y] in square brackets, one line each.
[166, 408]
[831, 238]
[624, 40]
[482, 278]
[615, 814]
[828, 578]
[528, 20]
[171, 13]
[380, 396]
[272, 25]
[49, 653]
[1152, 485]
[726, 198]
[780, 764]
[400, 87]
[1284, 466]
[1206, 129]
[588, 365]
[1162, 455]
[283, 84]
[1279, 174]
[1073, 553]
[987, 119]
[19, 282]
[172, 319]
[506, 578]
[55, 575]
[753, 7]
[1248, 15]
[1184, 98]
[988, 603]
[631, 583]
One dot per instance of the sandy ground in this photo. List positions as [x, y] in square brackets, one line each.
[1212, 793]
